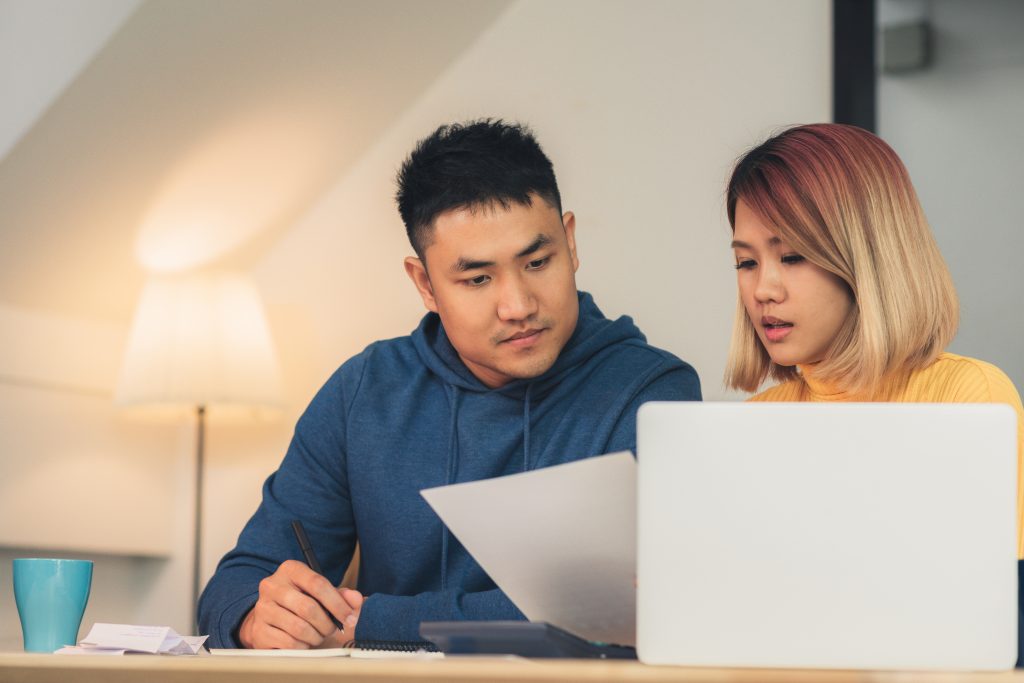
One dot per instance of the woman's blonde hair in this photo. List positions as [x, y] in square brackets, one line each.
[840, 196]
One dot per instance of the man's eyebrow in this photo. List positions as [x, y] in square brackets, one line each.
[540, 241]
[464, 264]
[738, 244]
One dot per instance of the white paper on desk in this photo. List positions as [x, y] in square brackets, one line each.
[132, 638]
[79, 650]
[254, 652]
[560, 541]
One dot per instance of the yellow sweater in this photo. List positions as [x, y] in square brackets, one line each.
[950, 379]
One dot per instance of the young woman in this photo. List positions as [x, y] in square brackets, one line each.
[843, 294]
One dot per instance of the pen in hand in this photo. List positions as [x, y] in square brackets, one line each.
[307, 552]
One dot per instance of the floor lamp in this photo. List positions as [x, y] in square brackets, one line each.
[199, 341]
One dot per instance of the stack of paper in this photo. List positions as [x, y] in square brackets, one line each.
[119, 639]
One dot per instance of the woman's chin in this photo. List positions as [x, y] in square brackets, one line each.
[786, 360]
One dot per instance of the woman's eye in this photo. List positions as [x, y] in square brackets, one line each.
[745, 264]
[536, 264]
[792, 258]
[478, 280]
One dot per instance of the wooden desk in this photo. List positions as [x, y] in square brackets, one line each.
[33, 668]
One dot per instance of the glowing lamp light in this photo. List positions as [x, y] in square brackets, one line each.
[196, 341]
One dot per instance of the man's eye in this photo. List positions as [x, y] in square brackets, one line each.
[537, 264]
[745, 264]
[478, 280]
[792, 258]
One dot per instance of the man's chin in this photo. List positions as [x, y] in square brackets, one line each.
[530, 370]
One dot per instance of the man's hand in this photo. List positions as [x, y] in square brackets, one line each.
[290, 612]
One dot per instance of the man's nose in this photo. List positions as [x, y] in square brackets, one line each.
[516, 300]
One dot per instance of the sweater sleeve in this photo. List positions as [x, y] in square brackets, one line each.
[311, 485]
[397, 617]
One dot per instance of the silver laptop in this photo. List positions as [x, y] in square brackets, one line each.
[865, 536]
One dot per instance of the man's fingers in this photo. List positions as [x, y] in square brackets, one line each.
[273, 638]
[277, 617]
[324, 592]
[353, 597]
[309, 610]
[295, 607]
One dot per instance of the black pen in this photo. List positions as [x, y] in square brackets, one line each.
[307, 552]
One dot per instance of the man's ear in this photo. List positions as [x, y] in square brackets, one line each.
[418, 274]
[569, 223]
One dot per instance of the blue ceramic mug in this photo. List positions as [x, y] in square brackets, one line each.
[51, 597]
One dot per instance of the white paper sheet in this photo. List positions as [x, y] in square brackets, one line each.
[108, 639]
[313, 653]
[560, 541]
[77, 650]
[353, 652]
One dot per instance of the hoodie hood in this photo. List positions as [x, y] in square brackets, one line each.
[593, 333]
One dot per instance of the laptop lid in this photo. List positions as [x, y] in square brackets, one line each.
[871, 536]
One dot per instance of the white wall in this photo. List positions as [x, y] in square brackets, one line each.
[957, 126]
[642, 107]
[79, 479]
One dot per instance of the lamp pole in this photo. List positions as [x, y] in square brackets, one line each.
[192, 332]
[197, 536]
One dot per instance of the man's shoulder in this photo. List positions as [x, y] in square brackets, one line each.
[388, 358]
[635, 367]
[637, 354]
[382, 354]
[617, 342]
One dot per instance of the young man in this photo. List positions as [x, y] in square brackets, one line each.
[511, 369]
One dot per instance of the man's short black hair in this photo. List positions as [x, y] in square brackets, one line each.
[469, 165]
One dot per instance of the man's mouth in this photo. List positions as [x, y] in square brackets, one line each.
[524, 338]
[775, 329]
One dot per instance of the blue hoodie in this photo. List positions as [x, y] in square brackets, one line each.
[406, 414]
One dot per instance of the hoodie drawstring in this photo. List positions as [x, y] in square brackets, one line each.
[453, 464]
[453, 460]
[526, 428]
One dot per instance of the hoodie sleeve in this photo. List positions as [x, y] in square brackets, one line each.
[398, 617]
[311, 485]
[677, 382]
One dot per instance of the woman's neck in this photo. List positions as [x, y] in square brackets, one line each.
[821, 390]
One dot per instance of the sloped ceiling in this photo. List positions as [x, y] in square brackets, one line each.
[44, 44]
[201, 131]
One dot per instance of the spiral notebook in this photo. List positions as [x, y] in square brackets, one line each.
[386, 649]
[360, 649]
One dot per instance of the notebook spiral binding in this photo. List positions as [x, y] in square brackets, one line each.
[393, 645]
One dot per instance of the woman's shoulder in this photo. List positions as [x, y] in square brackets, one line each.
[956, 378]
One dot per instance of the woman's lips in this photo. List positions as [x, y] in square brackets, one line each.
[775, 329]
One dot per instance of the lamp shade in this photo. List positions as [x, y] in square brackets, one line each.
[199, 340]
